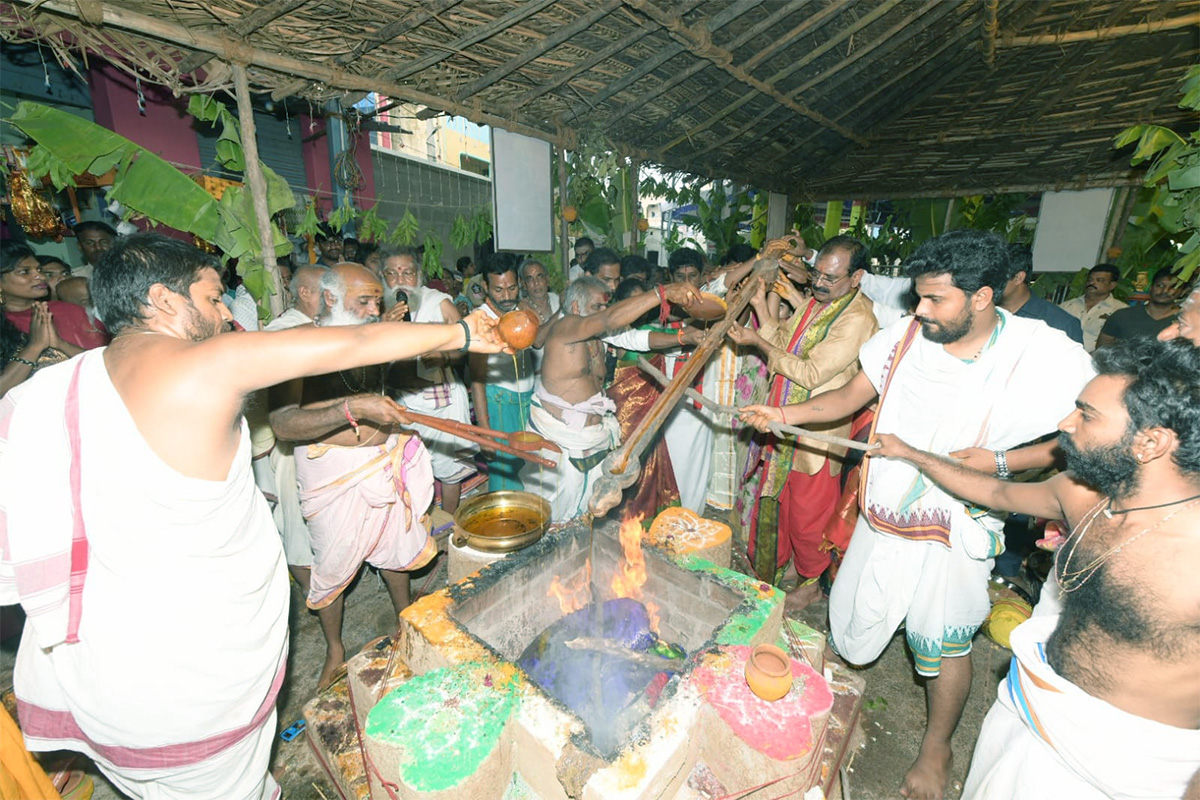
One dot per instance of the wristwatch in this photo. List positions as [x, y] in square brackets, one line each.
[1002, 471]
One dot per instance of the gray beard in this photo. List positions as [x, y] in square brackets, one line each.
[340, 317]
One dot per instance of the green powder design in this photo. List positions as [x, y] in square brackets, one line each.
[446, 722]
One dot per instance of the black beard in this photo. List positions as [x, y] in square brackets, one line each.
[947, 332]
[1110, 469]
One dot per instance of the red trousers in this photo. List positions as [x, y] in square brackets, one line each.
[805, 506]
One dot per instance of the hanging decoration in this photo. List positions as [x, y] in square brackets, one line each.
[32, 209]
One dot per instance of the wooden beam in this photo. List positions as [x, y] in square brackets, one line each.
[1099, 34]
[310, 71]
[704, 48]
[258, 186]
[663, 56]
[989, 29]
[396, 29]
[477, 34]
[1089, 181]
[799, 63]
[767, 23]
[888, 40]
[245, 26]
[549, 43]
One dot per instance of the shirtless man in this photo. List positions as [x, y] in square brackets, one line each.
[173, 654]
[569, 405]
[1112, 708]
[344, 426]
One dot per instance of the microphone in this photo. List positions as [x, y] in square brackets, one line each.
[402, 297]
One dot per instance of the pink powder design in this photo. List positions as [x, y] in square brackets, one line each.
[780, 729]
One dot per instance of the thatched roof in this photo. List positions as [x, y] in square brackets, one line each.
[823, 98]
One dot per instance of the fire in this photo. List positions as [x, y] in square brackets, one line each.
[630, 574]
[575, 594]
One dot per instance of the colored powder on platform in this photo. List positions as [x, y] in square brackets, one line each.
[446, 722]
[782, 729]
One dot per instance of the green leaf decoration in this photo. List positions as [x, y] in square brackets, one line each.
[406, 230]
[343, 215]
[462, 233]
[481, 223]
[370, 227]
[310, 223]
[431, 262]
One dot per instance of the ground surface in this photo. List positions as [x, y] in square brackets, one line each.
[894, 716]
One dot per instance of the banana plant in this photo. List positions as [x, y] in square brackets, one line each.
[1173, 213]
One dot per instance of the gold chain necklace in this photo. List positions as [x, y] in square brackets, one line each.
[1071, 581]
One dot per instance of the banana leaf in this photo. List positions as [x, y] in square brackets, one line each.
[145, 182]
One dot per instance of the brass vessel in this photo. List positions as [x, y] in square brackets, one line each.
[501, 522]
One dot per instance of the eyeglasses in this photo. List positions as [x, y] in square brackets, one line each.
[828, 280]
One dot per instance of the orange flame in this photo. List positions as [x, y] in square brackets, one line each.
[630, 574]
[574, 594]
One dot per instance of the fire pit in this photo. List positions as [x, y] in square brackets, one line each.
[447, 712]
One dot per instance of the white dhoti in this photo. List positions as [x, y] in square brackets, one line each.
[157, 631]
[919, 554]
[1047, 739]
[452, 457]
[688, 433]
[289, 519]
[940, 594]
[568, 487]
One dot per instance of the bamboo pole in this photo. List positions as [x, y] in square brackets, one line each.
[258, 187]
[563, 233]
[218, 45]
[991, 27]
[1099, 34]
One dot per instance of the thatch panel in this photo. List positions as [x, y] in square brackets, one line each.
[854, 97]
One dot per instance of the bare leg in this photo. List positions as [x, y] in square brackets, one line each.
[945, 698]
[397, 586]
[303, 576]
[451, 494]
[331, 625]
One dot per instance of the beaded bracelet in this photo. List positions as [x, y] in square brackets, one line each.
[24, 361]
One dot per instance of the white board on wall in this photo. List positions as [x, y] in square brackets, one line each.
[521, 199]
[1070, 230]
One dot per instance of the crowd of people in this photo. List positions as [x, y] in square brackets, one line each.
[179, 458]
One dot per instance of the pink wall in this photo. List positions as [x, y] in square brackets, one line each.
[166, 129]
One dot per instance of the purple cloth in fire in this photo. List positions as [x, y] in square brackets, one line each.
[596, 685]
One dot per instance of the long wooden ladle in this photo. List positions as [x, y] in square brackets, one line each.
[522, 444]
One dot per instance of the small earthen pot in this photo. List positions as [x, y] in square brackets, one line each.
[518, 328]
[769, 672]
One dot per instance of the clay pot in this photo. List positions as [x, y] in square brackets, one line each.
[769, 672]
[643, 224]
[518, 328]
[569, 213]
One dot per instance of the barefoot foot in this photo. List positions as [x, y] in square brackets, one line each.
[332, 671]
[929, 774]
[801, 598]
